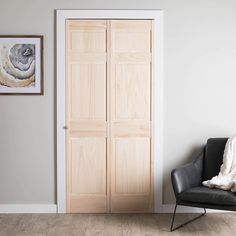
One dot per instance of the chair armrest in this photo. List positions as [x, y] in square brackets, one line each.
[188, 176]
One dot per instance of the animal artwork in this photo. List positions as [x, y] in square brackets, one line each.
[17, 65]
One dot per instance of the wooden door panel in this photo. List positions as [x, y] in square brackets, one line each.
[86, 116]
[132, 91]
[87, 36]
[88, 165]
[126, 42]
[131, 166]
[131, 36]
[88, 41]
[131, 86]
[88, 91]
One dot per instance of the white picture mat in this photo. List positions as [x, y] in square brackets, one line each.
[37, 87]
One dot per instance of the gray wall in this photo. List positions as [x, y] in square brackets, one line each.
[199, 89]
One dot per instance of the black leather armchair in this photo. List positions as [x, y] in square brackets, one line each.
[187, 182]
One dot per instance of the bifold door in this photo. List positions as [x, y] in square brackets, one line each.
[109, 115]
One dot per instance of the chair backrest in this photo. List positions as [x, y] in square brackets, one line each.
[213, 157]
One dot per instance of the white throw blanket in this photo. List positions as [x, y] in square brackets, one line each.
[226, 179]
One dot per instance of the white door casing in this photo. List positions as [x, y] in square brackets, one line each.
[157, 129]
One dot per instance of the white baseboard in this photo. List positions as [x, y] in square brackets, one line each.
[52, 208]
[169, 208]
[28, 208]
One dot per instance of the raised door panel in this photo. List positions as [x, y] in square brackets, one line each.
[131, 86]
[88, 41]
[88, 165]
[131, 36]
[132, 91]
[88, 91]
[87, 36]
[86, 116]
[87, 175]
[132, 165]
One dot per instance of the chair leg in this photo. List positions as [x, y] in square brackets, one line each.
[173, 218]
[189, 221]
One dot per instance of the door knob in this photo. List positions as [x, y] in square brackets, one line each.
[65, 127]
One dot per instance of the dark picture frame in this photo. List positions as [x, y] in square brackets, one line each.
[21, 65]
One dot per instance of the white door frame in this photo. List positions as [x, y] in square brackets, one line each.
[157, 16]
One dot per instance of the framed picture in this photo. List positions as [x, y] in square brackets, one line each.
[21, 65]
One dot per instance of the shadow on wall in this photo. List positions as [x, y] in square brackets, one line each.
[189, 157]
[192, 154]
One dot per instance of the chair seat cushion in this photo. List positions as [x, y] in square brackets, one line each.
[209, 196]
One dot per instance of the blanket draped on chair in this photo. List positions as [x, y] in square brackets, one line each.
[226, 179]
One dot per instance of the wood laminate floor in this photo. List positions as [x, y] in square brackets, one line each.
[113, 224]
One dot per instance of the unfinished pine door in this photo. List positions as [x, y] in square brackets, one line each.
[109, 116]
[130, 116]
[86, 116]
